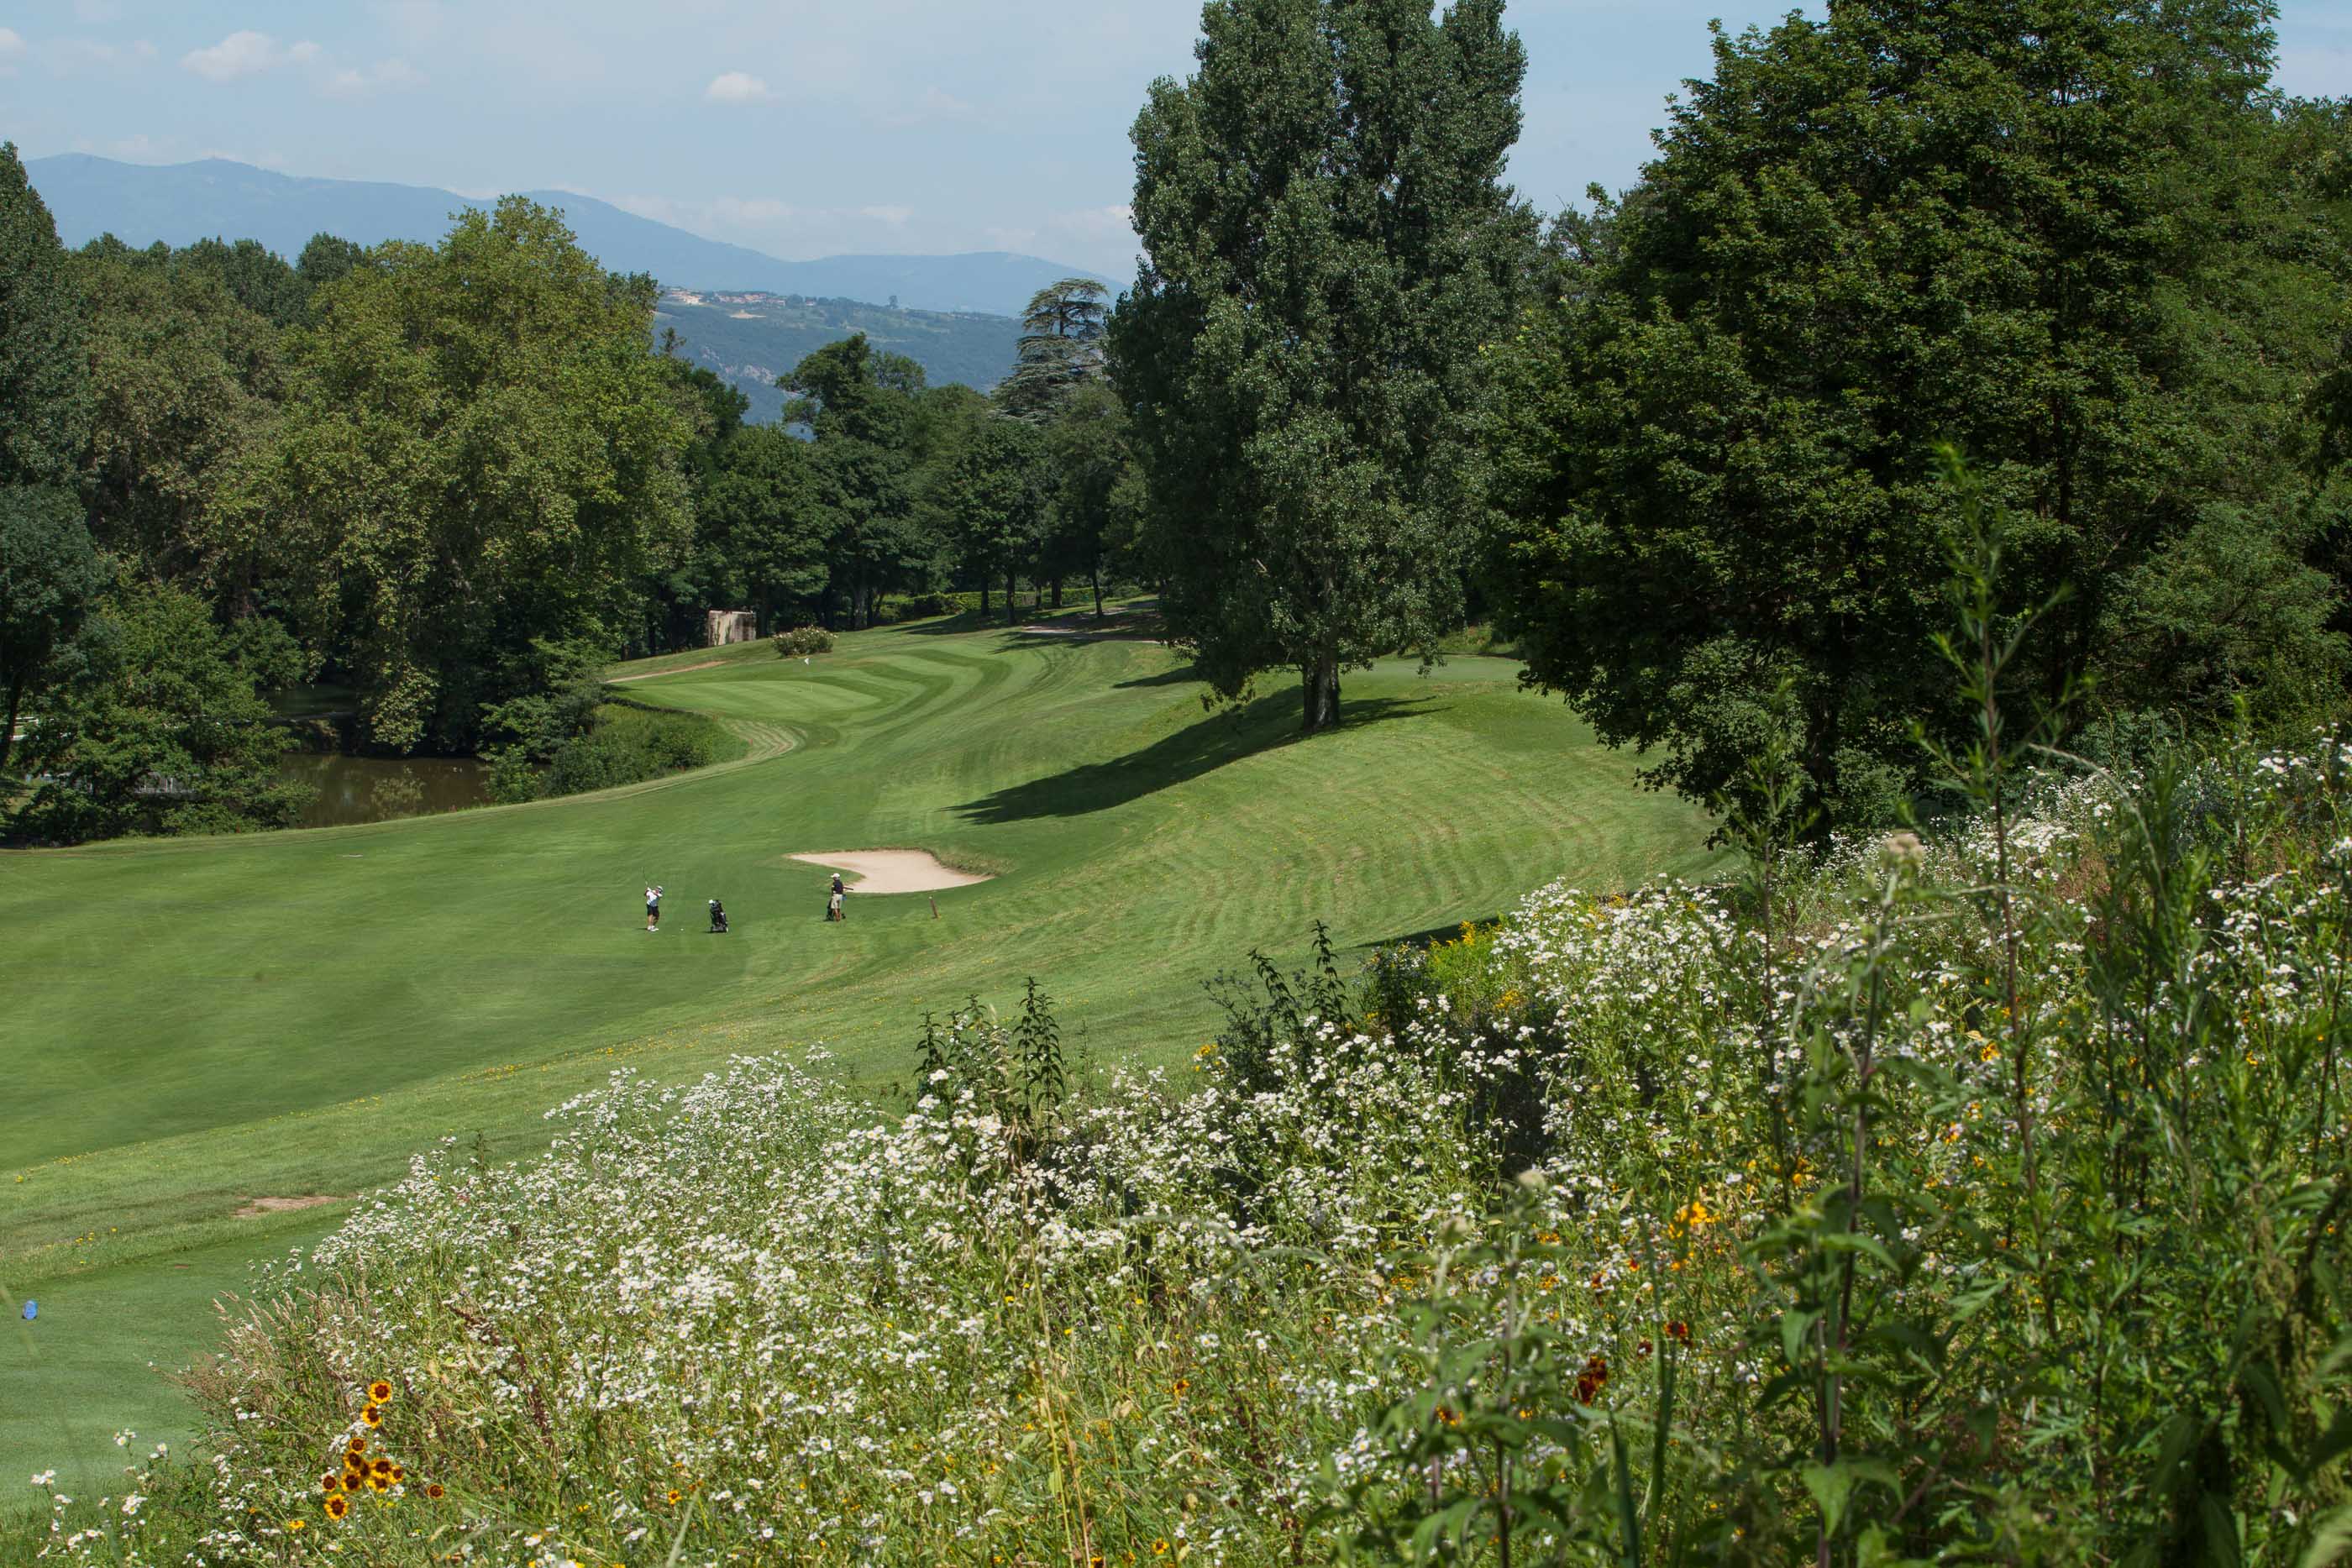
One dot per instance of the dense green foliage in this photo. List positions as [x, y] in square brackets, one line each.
[1329, 248]
[2088, 248]
[626, 743]
[1061, 348]
[440, 509]
[49, 574]
[185, 378]
[158, 725]
[800, 640]
[996, 501]
[42, 385]
[432, 464]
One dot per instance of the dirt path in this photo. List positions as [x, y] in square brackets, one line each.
[894, 871]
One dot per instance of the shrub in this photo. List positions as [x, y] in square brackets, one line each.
[512, 779]
[924, 606]
[804, 640]
[629, 743]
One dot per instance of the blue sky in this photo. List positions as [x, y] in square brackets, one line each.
[802, 128]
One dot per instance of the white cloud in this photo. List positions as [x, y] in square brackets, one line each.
[933, 105]
[894, 215]
[91, 13]
[12, 47]
[391, 74]
[247, 53]
[736, 87]
[136, 148]
[1114, 221]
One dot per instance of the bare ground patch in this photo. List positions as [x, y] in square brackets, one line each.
[262, 1205]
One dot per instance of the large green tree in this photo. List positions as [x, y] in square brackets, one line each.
[480, 451]
[1060, 351]
[1329, 249]
[758, 515]
[1094, 490]
[160, 727]
[862, 405]
[185, 380]
[2018, 228]
[49, 570]
[996, 492]
[49, 574]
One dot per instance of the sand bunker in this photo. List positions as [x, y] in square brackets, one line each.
[894, 871]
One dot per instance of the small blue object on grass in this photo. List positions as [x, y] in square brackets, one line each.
[32, 1310]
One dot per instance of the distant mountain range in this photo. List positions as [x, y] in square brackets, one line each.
[182, 203]
[751, 337]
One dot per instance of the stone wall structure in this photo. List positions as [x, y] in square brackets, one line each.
[721, 627]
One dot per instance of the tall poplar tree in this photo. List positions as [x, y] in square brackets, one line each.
[44, 390]
[49, 570]
[1329, 248]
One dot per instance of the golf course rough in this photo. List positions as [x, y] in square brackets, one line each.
[194, 1023]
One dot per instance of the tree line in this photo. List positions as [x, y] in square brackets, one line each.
[1681, 443]
[456, 479]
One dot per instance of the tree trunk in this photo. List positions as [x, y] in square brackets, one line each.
[1093, 580]
[1012, 612]
[1320, 688]
[1057, 592]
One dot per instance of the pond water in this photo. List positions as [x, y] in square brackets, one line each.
[377, 789]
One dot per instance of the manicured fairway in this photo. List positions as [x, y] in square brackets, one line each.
[188, 1025]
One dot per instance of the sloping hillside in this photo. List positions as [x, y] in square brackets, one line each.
[216, 198]
[750, 338]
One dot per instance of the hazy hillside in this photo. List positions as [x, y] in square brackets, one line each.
[752, 338]
[180, 203]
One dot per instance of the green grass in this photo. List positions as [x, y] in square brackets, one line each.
[190, 1024]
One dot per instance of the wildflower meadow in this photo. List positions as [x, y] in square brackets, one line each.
[1877, 1208]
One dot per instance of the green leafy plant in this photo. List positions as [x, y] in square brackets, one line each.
[803, 640]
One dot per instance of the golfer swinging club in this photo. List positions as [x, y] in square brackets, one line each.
[653, 909]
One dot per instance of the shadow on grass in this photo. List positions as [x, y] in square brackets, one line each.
[1182, 675]
[1269, 721]
[1422, 939]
